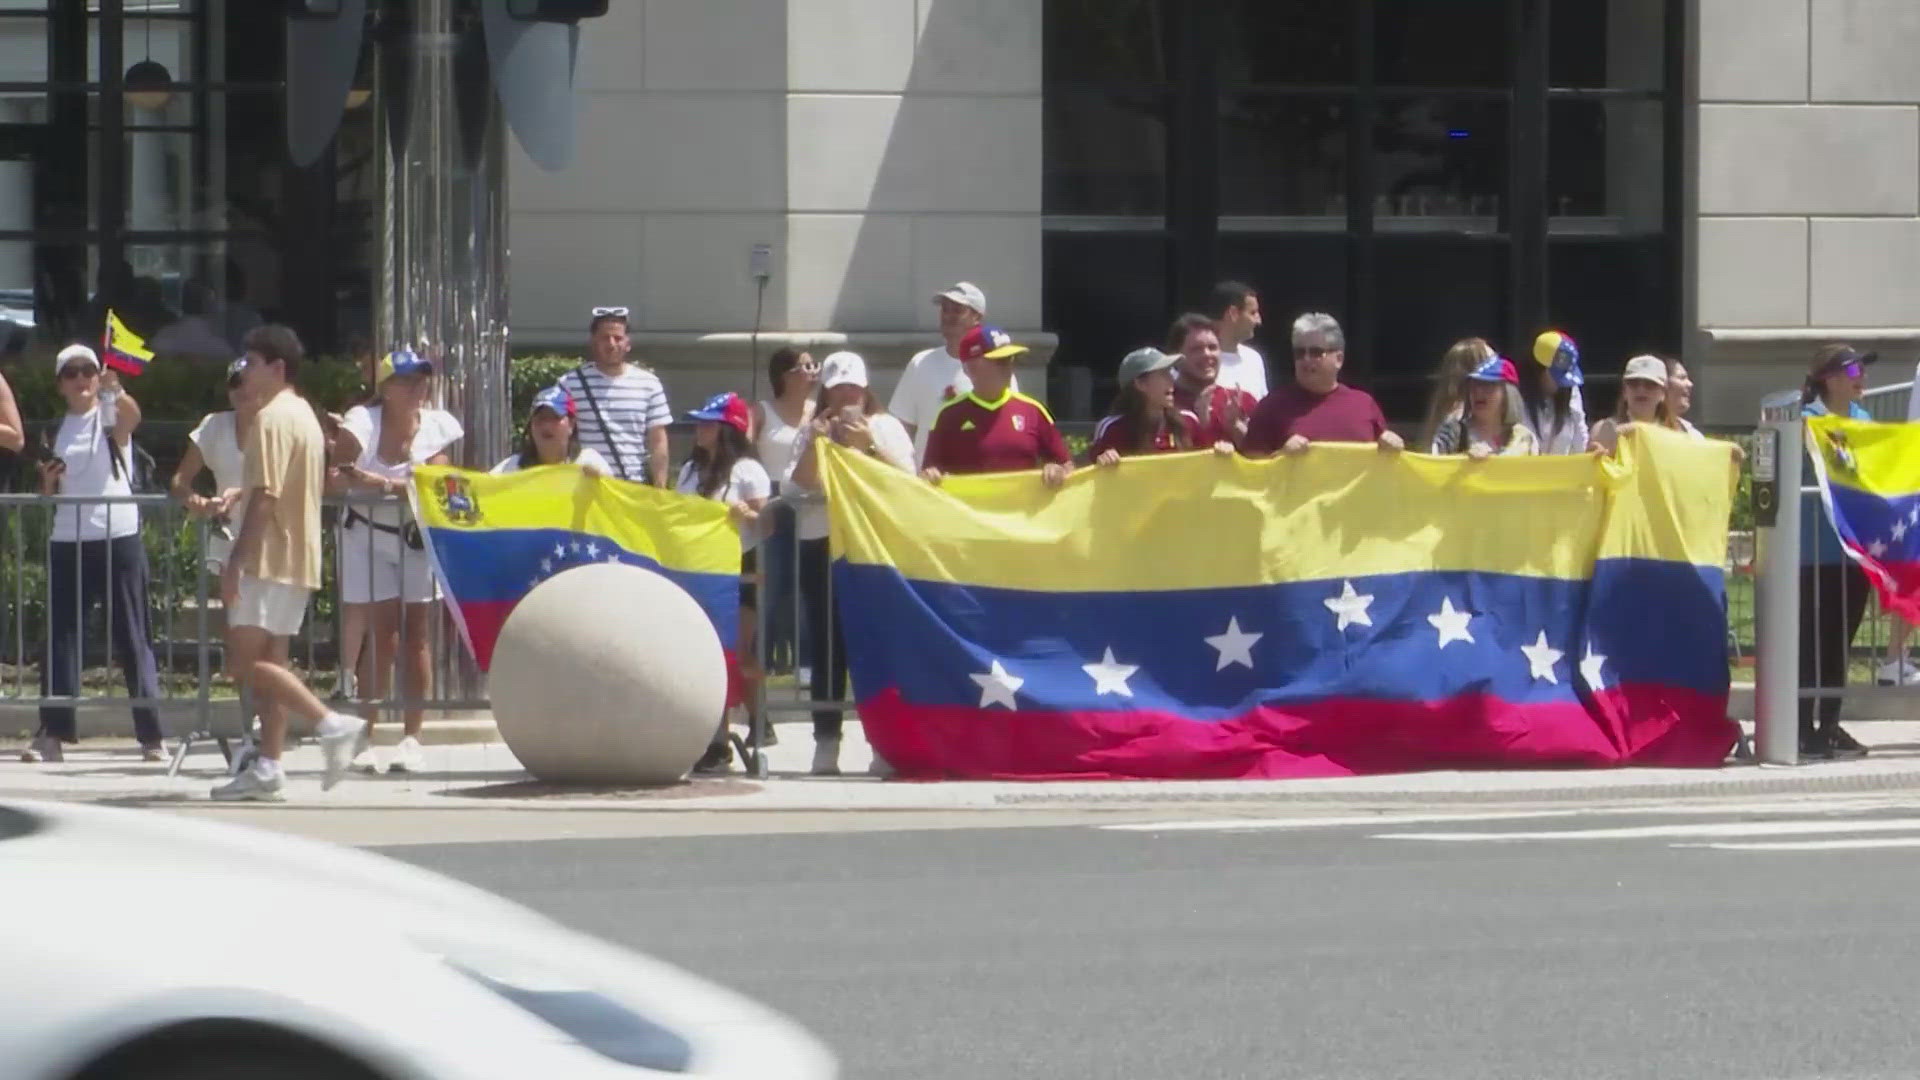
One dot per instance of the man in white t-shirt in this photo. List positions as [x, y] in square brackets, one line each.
[934, 377]
[1235, 309]
[623, 413]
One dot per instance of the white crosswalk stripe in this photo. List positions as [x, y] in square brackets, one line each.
[1639, 832]
[1761, 826]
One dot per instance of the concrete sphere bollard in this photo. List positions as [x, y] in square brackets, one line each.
[608, 674]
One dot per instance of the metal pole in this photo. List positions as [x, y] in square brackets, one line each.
[1776, 691]
[443, 266]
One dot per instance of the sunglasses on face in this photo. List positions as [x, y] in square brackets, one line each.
[609, 312]
[82, 371]
[1314, 351]
[1853, 371]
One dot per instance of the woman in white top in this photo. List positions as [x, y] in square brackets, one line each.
[850, 415]
[551, 437]
[95, 555]
[383, 561]
[214, 446]
[778, 426]
[723, 468]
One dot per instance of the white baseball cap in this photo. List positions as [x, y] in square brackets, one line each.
[842, 369]
[1651, 368]
[75, 351]
[966, 294]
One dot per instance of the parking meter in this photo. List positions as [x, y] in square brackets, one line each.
[1766, 477]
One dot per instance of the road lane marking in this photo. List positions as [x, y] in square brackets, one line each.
[1642, 832]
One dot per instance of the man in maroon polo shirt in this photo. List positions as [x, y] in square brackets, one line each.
[1222, 411]
[1316, 407]
[993, 427]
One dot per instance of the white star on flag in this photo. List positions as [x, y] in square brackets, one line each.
[559, 551]
[593, 551]
[546, 567]
[1913, 516]
[1541, 657]
[1899, 530]
[997, 687]
[1877, 549]
[1590, 668]
[1451, 623]
[1234, 645]
[576, 547]
[1351, 607]
[1109, 676]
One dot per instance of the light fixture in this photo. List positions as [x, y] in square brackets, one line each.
[148, 84]
[358, 96]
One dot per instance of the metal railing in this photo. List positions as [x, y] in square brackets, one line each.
[1812, 607]
[70, 621]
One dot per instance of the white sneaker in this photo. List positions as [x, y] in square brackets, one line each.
[364, 759]
[44, 748]
[250, 786]
[408, 757]
[1901, 672]
[339, 735]
[244, 756]
[826, 757]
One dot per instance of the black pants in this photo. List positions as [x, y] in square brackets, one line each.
[1833, 600]
[80, 577]
[823, 632]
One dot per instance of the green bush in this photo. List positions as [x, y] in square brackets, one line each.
[528, 375]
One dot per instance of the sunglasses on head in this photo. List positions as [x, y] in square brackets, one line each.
[609, 312]
[79, 371]
[1315, 351]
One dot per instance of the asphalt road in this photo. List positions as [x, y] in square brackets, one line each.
[1076, 952]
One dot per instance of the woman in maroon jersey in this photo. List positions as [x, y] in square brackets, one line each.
[1144, 418]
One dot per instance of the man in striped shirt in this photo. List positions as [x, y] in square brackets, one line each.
[623, 412]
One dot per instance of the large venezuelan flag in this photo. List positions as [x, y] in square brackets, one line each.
[493, 538]
[1870, 481]
[1341, 612]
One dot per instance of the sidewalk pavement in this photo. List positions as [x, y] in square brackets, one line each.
[485, 775]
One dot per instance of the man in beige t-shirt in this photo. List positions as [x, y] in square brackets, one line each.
[275, 564]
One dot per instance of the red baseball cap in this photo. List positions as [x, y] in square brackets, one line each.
[989, 342]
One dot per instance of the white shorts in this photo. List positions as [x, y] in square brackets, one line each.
[273, 606]
[376, 566]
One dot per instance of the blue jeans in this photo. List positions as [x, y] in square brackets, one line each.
[80, 577]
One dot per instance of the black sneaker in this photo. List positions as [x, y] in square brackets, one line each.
[717, 759]
[1816, 746]
[1845, 746]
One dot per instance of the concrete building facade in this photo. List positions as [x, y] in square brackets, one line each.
[1732, 181]
[1807, 168]
[882, 149]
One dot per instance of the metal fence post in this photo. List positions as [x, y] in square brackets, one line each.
[1776, 639]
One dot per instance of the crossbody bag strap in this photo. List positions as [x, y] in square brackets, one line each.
[613, 444]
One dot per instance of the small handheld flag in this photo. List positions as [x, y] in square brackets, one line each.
[122, 349]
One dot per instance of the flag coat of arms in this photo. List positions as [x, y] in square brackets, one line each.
[1340, 612]
[1869, 475]
[493, 538]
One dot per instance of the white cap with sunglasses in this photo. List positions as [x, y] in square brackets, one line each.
[75, 352]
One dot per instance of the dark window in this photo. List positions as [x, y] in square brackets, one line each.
[1453, 43]
[1424, 170]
